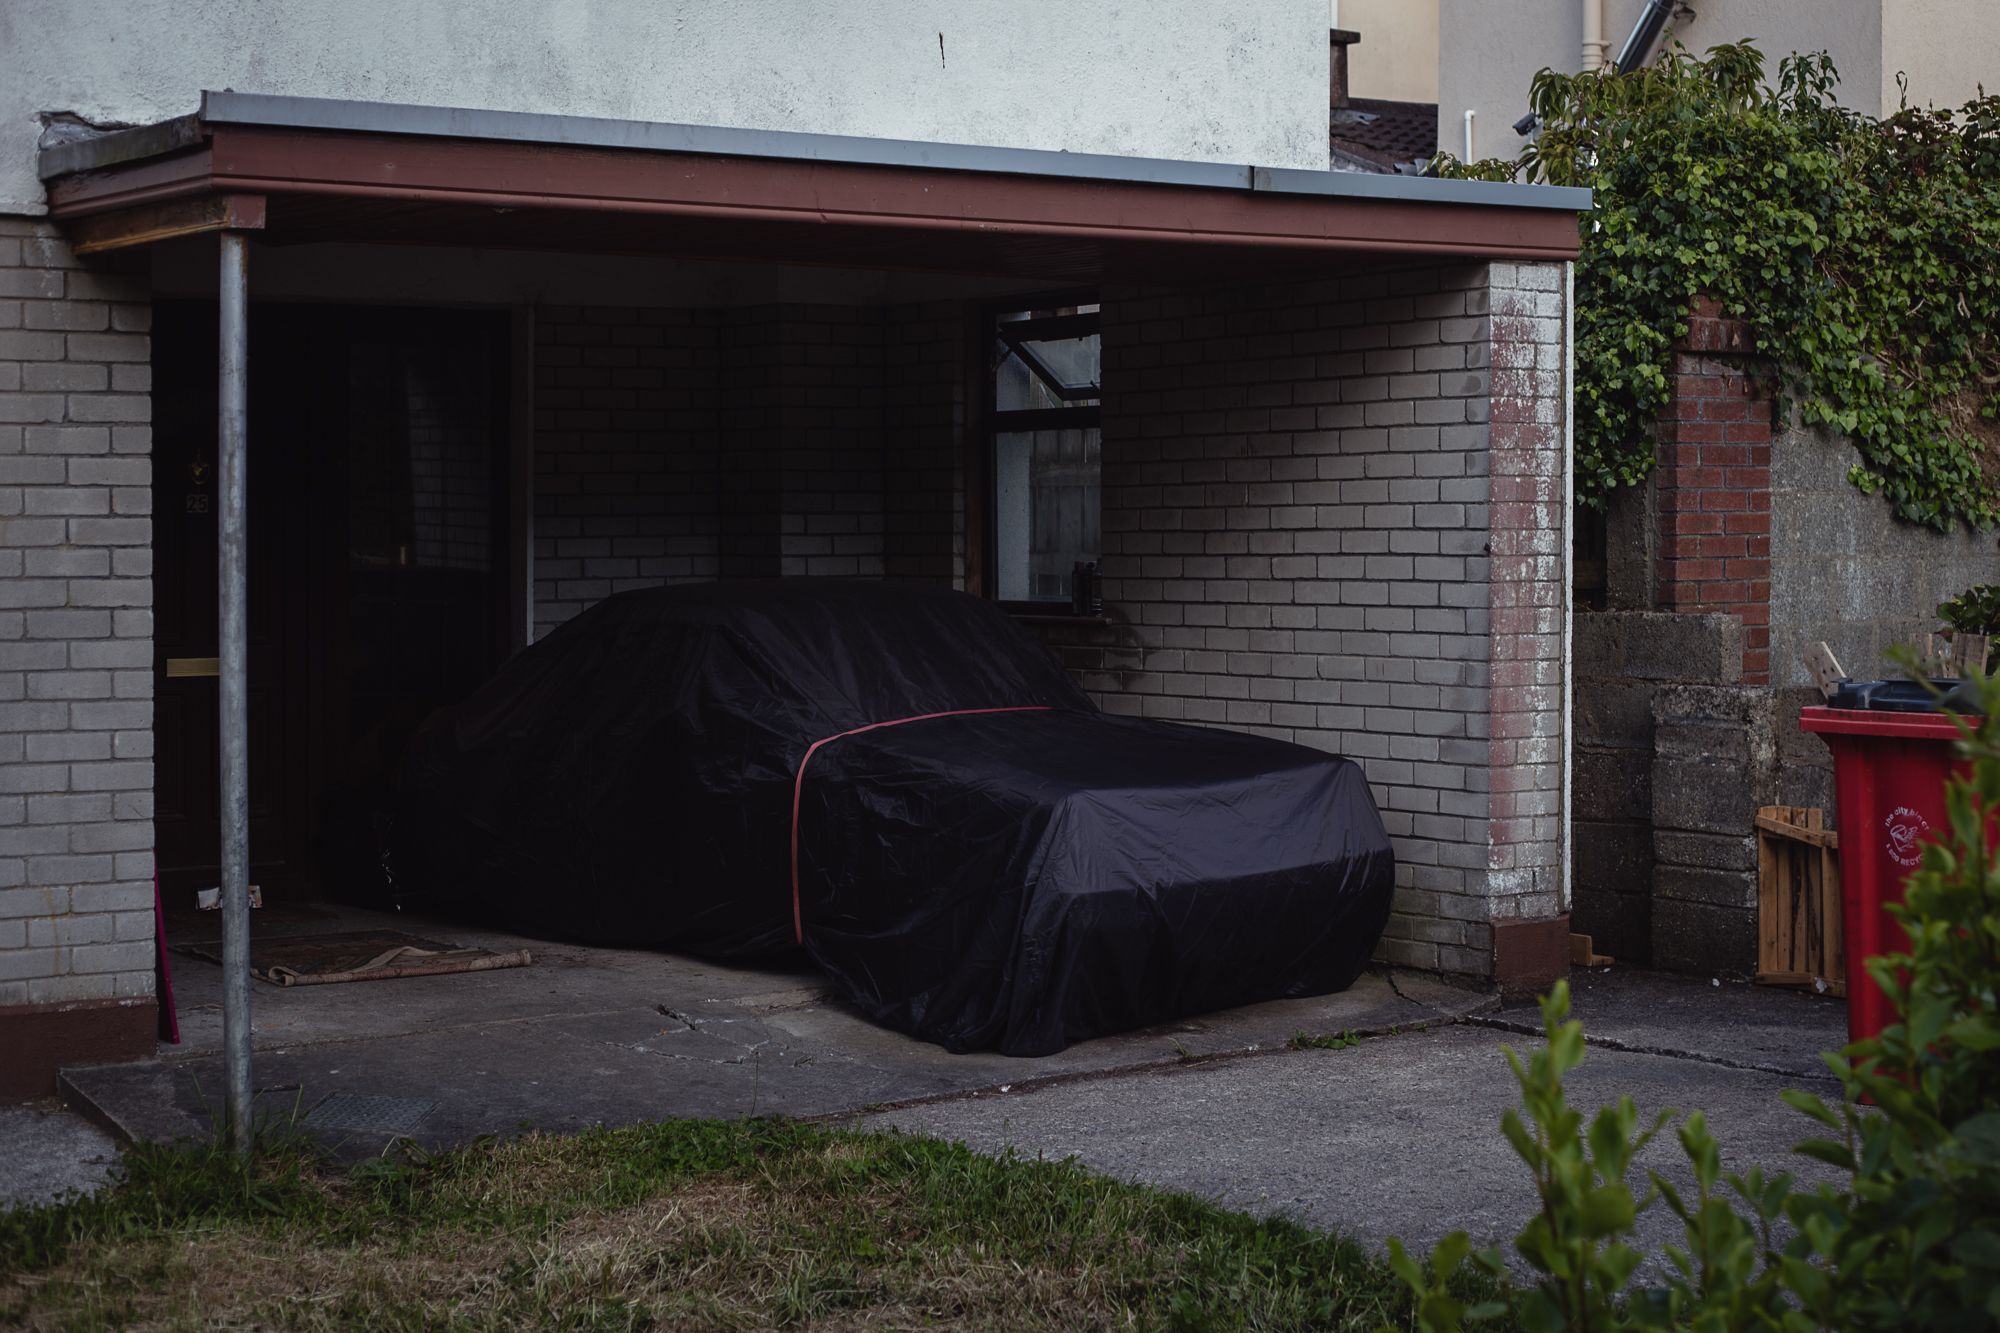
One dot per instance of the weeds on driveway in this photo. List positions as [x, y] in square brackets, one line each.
[683, 1224]
[1327, 1042]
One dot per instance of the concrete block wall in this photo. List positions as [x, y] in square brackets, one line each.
[1846, 570]
[1761, 522]
[1721, 752]
[1300, 529]
[1622, 659]
[1757, 522]
[76, 634]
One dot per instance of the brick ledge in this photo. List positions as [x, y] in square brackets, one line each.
[40, 1038]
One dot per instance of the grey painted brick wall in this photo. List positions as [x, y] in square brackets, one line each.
[1308, 490]
[626, 420]
[76, 632]
[924, 415]
[683, 445]
[1298, 539]
[803, 439]
[1528, 589]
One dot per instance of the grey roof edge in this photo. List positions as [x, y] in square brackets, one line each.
[106, 150]
[1369, 185]
[315, 113]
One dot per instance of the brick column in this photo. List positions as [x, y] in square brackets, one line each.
[1713, 480]
[76, 663]
[1528, 434]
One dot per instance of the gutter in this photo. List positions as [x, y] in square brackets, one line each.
[1645, 33]
[326, 114]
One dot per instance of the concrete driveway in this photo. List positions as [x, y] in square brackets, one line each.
[1398, 1135]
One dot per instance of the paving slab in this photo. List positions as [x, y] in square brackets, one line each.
[1732, 1023]
[609, 1036]
[1397, 1136]
[47, 1151]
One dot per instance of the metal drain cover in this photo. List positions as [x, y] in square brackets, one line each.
[373, 1115]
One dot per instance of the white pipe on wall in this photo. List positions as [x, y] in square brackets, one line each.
[1593, 34]
[1468, 136]
[1569, 587]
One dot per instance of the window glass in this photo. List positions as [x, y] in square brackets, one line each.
[1046, 510]
[1047, 507]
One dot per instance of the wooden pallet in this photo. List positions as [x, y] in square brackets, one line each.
[1798, 901]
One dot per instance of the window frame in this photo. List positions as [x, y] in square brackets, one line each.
[993, 422]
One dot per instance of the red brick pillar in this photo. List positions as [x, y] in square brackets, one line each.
[1713, 480]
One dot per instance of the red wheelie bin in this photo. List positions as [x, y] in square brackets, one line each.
[1889, 772]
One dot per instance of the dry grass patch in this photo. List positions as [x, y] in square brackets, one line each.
[697, 1225]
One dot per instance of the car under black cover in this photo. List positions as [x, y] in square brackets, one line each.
[904, 782]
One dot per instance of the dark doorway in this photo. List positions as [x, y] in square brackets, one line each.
[378, 558]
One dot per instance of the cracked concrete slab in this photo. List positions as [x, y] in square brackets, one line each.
[607, 1036]
[47, 1151]
[1730, 1023]
[1397, 1136]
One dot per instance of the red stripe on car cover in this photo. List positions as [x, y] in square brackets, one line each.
[798, 784]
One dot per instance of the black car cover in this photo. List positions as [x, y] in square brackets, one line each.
[902, 780]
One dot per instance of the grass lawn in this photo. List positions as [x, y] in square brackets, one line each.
[682, 1224]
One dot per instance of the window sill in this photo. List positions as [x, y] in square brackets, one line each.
[1038, 618]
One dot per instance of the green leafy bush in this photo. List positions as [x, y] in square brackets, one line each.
[1863, 253]
[1974, 611]
[1912, 1241]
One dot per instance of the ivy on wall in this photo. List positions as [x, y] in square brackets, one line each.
[1862, 253]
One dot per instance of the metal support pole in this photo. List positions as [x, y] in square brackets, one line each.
[233, 598]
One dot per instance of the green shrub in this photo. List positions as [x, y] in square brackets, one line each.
[1911, 1241]
[1974, 611]
[1863, 254]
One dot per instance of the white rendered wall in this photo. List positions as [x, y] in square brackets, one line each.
[1397, 56]
[1488, 54]
[1949, 48]
[1168, 78]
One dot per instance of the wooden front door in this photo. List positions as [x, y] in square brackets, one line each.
[377, 557]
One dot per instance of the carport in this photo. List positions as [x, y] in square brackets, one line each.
[1333, 412]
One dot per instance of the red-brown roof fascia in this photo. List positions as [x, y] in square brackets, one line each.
[413, 170]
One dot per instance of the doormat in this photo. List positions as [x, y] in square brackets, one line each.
[376, 1115]
[358, 955]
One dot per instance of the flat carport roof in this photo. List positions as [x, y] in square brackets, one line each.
[299, 170]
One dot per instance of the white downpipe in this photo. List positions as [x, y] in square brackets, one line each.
[1568, 575]
[1333, 13]
[1593, 35]
[1468, 136]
